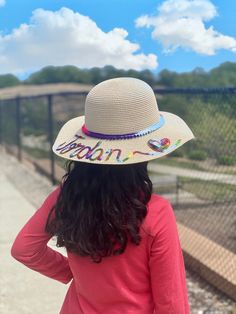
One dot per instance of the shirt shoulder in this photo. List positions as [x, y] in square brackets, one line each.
[159, 210]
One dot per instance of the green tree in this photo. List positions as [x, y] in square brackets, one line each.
[8, 80]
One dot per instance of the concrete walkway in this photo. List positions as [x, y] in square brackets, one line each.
[22, 290]
[194, 174]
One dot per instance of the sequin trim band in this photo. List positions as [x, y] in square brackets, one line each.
[146, 131]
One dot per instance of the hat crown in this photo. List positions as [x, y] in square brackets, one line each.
[121, 106]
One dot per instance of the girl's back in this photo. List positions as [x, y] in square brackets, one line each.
[143, 279]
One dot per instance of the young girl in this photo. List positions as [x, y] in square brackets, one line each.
[124, 253]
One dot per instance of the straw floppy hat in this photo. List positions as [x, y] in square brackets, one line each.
[122, 125]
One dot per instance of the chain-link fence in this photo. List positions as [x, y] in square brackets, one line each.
[199, 178]
[205, 168]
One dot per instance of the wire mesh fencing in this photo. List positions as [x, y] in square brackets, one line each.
[204, 168]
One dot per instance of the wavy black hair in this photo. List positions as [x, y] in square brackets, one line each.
[100, 206]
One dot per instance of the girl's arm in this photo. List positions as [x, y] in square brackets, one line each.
[30, 246]
[167, 269]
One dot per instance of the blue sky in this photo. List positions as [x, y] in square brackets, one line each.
[177, 35]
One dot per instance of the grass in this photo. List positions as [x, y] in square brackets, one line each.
[205, 190]
[208, 190]
[179, 163]
[36, 152]
[194, 165]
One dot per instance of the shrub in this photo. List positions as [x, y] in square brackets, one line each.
[177, 153]
[227, 160]
[197, 155]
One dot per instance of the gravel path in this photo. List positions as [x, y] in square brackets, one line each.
[203, 298]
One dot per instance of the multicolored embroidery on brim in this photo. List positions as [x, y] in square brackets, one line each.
[97, 153]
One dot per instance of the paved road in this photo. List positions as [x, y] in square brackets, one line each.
[194, 174]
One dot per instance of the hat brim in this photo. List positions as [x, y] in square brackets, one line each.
[71, 143]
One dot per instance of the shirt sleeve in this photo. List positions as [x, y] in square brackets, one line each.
[30, 246]
[167, 269]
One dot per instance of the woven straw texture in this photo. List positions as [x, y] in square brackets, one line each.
[121, 106]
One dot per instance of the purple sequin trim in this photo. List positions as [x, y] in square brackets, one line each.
[146, 131]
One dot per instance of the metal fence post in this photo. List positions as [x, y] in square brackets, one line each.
[18, 128]
[50, 137]
[177, 191]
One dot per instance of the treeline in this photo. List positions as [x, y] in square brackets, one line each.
[221, 76]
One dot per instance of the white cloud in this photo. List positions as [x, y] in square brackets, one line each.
[180, 23]
[65, 37]
[2, 3]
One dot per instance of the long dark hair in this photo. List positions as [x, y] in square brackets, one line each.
[100, 206]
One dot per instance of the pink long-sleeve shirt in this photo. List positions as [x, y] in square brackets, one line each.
[145, 279]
